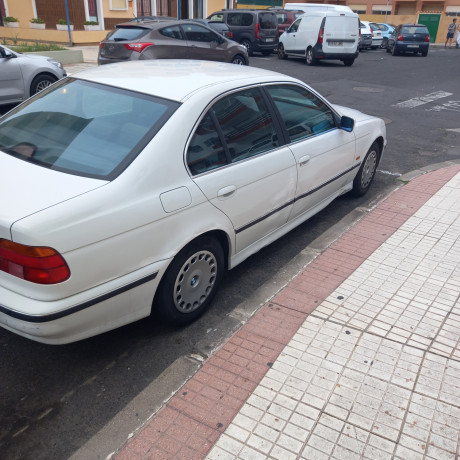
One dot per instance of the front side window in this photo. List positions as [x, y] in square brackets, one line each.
[303, 113]
[294, 26]
[245, 126]
[219, 17]
[83, 128]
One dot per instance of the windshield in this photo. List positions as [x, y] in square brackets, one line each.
[83, 128]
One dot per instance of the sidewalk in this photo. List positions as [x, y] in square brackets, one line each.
[357, 357]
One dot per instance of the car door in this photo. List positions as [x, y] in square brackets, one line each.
[11, 79]
[237, 159]
[324, 153]
[172, 44]
[290, 40]
[204, 43]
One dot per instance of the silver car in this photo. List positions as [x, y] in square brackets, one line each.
[23, 75]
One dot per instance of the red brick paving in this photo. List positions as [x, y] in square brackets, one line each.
[193, 419]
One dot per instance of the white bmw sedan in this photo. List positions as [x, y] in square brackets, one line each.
[129, 189]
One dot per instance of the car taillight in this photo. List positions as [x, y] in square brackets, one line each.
[400, 38]
[36, 264]
[138, 47]
[257, 31]
[230, 34]
[101, 44]
[427, 38]
[321, 35]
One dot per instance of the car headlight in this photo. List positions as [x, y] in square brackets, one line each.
[56, 63]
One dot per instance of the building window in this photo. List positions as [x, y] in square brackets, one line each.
[453, 10]
[381, 9]
[359, 9]
[118, 4]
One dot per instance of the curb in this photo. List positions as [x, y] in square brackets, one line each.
[193, 419]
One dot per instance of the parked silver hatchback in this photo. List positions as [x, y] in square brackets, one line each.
[169, 40]
[23, 75]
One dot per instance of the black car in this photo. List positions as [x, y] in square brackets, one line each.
[257, 30]
[410, 38]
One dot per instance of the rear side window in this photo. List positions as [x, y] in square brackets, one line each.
[246, 129]
[282, 18]
[172, 32]
[197, 33]
[239, 19]
[268, 21]
[83, 128]
[127, 33]
[374, 27]
[303, 113]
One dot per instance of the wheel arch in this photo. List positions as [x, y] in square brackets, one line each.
[41, 74]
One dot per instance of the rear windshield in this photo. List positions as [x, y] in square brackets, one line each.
[83, 128]
[268, 21]
[414, 30]
[127, 33]
[374, 26]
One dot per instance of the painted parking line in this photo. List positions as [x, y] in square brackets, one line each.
[416, 101]
[450, 105]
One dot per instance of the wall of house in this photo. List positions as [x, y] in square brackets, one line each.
[21, 10]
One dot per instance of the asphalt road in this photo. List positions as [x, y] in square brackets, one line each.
[53, 400]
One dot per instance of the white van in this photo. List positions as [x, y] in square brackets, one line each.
[316, 6]
[322, 34]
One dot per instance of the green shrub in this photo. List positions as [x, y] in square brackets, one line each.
[37, 21]
[63, 22]
[10, 19]
[91, 23]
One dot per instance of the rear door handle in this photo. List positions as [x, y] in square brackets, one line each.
[226, 192]
[304, 160]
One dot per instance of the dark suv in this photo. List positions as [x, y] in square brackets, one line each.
[257, 30]
[412, 38]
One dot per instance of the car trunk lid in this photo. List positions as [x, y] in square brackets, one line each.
[113, 47]
[341, 33]
[31, 188]
[268, 27]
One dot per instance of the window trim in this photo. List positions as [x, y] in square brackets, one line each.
[280, 118]
[221, 135]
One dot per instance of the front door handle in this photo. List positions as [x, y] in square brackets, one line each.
[304, 160]
[226, 192]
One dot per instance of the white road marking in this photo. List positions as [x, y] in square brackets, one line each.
[416, 101]
[450, 105]
[389, 173]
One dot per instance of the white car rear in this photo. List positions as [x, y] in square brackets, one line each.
[322, 34]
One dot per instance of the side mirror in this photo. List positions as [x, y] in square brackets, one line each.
[347, 123]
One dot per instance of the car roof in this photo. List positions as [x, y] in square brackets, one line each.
[176, 79]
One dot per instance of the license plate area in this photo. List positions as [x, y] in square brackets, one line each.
[335, 43]
[412, 46]
[269, 40]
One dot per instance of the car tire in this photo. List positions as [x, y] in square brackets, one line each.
[248, 45]
[310, 57]
[384, 43]
[40, 82]
[190, 282]
[239, 60]
[394, 51]
[424, 53]
[366, 173]
[348, 62]
[281, 53]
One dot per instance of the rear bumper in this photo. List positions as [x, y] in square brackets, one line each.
[264, 46]
[116, 303]
[419, 47]
[319, 54]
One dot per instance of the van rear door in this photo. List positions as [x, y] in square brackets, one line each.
[341, 32]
